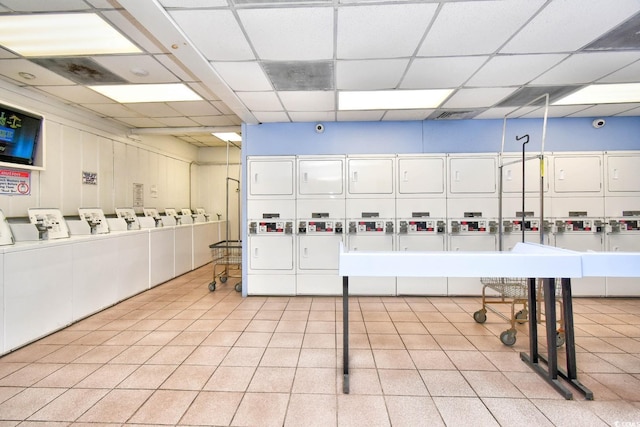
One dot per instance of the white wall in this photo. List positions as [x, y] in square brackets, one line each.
[76, 142]
[209, 186]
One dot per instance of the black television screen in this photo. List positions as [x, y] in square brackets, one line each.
[19, 132]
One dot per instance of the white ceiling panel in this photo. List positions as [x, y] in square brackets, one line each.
[127, 65]
[246, 76]
[587, 67]
[194, 108]
[45, 6]
[370, 74]
[207, 28]
[156, 109]
[112, 110]
[628, 74]
[101, 4]
[186, 4]
[513, 69]
[360, 116]
[143, 122]
[4, 53]
[392, 115]
[605, 110]
[555, 111]
[214, 120]
[290, 33]
[487, 26]
[308, 101]
[303, 116]
[477, 97]
[567, 25]
[176, 121]
[271, 116]
[43, 77]
[439, 73]
[261, 101]
[501, 112]
[382, 31]
[633, 112]
[75, 94]
[132, 31]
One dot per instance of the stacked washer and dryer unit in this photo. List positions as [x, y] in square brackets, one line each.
[299, 209]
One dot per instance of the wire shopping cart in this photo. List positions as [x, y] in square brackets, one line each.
[514, 291]
[227, 262]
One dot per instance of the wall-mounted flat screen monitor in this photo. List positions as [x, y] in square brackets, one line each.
[19, 133]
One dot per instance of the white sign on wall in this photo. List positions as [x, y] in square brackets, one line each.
[14, 182]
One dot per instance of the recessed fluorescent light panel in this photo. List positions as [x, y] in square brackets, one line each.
[603, 94]
[66, 34]
[148, 93]
[392, 99]
[227, 136]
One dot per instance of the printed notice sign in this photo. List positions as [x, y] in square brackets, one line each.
[15, 182]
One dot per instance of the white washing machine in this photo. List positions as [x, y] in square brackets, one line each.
[623, 235]
[421, 234]
[270, 245]
[582, 234]
[470, 234]
[318, 256]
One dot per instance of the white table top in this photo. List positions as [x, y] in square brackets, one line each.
[525, 260]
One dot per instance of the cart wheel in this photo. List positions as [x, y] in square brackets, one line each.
[480, 316]
[522, 315]
[223, 279]
[559, 339]
[508, 337]
[238, 287]
[212, 286]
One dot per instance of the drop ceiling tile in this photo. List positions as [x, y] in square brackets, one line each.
[203, 91]
[75, 94]
[194, 108]
[438, 73]
[477, 97]
[633, 112]
[382, 31]
[513, 69]
[628, 74]
[222, 107]
[208, 28]
[45, 6]
[402, 115]
[141, 122]
[500, 112]
[312, 116]
[187, 4]
[360, 116]
[370, 74]
[271, 116]
[101, 4]
[12, 67]
[555, 111]
[176, 121]
[245, 76]
[260, 101]
[308, 101]
[5, 54]
[153, 109]
[125, 65]
[170, 63]
[605, 110]
[120, 21]
[568, 25]
[586, 67]
[285, 34]
[487, 26]
[111, 110]
[213, 120]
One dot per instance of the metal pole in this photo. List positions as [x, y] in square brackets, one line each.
[518, 138]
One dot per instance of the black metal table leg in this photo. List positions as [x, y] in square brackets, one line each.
[345, 334]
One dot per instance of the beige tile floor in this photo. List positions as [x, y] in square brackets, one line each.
[180, 355]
